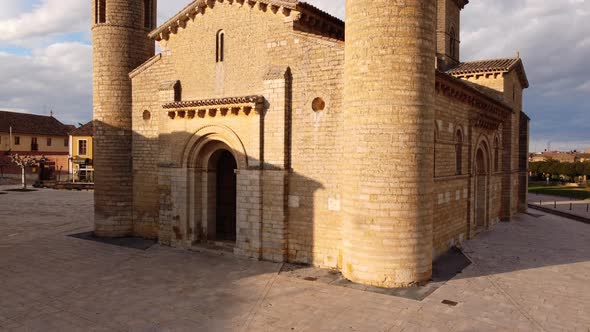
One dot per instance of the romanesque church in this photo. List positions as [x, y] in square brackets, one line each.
[272, 129]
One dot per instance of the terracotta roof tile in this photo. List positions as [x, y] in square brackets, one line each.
[84, 130]
[23, 123]
[483, 66]
[502, 65]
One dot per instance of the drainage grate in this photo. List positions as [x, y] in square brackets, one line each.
[450, 303]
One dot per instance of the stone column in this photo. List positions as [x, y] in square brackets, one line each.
[388, 137]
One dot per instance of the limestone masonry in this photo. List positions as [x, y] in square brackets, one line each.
[257, 128]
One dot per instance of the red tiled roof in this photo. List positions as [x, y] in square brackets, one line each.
[84, 130]
[32, 124]
[491, 66]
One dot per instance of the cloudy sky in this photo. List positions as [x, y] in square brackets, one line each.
[46, 58]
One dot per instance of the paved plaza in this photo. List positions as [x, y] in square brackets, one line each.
[580, 208]
[529, 275]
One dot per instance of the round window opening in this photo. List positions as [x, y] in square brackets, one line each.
[318, 104]
[147, 115]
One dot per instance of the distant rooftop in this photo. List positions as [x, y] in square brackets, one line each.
[23, 123]
[84, 130]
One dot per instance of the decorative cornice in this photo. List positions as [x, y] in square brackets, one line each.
[145, 65]
[304, 16]
[199, 6]
[191, 109]
[486, 122]
[455, 88]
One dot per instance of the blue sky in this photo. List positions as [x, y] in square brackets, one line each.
[48, 65]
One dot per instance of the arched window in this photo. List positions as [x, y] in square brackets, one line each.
[496, 154]
[177, 91]
[220, 53]
[453, 45]
[459, 152]
[100, 11]
[148, 12]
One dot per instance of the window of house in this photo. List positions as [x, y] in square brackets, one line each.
[34, 144]
[220, 54]
[459, 152]
[147, 14]
[16, 140]
[101, 11]
[49, 141]
[82, 147]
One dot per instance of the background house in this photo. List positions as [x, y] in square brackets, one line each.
[81, 153]
[35, 135]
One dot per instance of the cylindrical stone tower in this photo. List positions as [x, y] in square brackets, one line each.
[388, 141]
[120, 44]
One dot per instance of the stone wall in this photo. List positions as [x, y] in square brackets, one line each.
[301, 158]
[448, 18]
[120, 45]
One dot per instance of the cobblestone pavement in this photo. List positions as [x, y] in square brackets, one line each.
[529, 275]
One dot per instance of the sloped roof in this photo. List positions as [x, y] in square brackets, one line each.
[84, 130]
[311, 16]
[502, 65]
[32, 124]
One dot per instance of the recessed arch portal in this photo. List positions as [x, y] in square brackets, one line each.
[213, 157]
[221, 193]
[481, 173]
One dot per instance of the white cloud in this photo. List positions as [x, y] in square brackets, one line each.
[55, 78]
[47, 18]
[550, 35]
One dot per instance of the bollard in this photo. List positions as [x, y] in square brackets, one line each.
[555, 205]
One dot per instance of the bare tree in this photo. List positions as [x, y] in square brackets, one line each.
[25, 162]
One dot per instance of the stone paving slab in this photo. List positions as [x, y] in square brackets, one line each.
[529, 275]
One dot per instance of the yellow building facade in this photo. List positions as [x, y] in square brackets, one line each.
[82, 153]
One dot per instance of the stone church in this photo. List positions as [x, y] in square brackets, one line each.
[258, 128]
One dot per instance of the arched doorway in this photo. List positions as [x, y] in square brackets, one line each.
[481, 189]
[222, 196]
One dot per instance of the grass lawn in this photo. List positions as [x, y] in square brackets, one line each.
[573, 193]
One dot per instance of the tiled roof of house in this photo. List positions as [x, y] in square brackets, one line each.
[84, 130]
[491, 66]
[32, 124]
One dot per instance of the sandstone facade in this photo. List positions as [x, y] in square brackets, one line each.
[376, 174]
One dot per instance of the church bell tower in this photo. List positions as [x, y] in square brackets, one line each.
[388, 115]
[120, 44]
